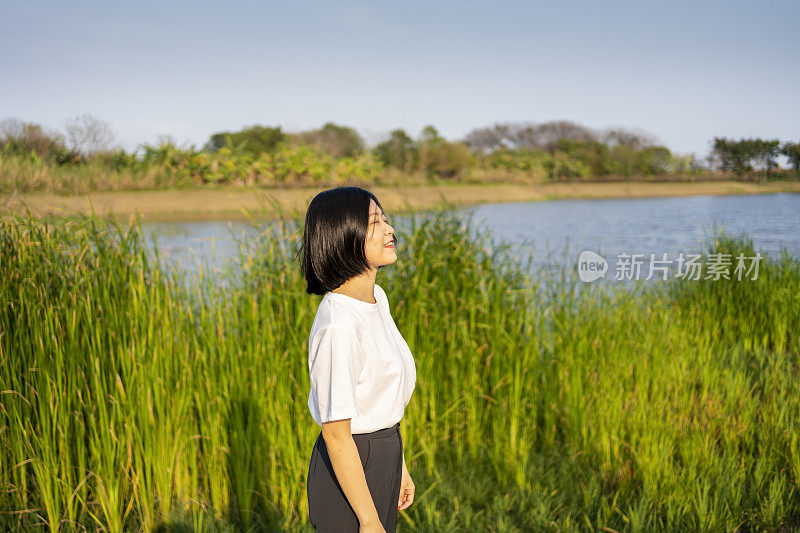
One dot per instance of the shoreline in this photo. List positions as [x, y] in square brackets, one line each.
[171, 205]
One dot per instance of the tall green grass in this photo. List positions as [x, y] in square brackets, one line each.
[131, 400]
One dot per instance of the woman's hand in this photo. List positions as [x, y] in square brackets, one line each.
[406, 490]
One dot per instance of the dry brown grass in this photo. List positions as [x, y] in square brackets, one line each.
[231, 203]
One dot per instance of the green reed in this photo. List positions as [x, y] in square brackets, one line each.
[133, 399]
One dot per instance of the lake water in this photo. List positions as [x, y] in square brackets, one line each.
[555, 232]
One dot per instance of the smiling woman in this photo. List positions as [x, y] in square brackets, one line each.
[380, 247]
[362, 372]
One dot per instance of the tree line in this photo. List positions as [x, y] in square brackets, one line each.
[557, 149]
[747, 155]
[268, 155]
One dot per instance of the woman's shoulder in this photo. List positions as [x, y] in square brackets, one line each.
[333, 315]
[337, 325]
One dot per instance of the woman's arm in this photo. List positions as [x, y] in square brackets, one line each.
[346, 464]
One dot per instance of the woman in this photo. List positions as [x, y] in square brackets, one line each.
[361, 369]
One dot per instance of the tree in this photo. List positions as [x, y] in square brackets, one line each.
[654, 160]
[442, 158]
[731, 155]
[740, 156]
[592, 154]
[430, 136]
[398, 151]
[337, 141]
[446, 159]
[489, 139]
[623, 137]
[520, 135]
[792, 152]
[25, 137]
[765, 152]
[88, 135]
[253, 140]
[549, 133]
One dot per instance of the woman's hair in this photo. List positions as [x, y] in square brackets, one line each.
[335, 231]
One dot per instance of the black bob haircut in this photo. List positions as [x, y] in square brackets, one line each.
[335, 231]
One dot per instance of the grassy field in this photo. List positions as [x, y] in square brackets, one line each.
[239, 203]
[133, 401]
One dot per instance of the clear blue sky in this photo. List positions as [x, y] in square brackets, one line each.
[683, 71]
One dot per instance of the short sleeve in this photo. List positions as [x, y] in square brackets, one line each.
[335, 363]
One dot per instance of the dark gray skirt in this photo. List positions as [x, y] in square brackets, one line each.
[381, 455]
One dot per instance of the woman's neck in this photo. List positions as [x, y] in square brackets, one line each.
[361, 287]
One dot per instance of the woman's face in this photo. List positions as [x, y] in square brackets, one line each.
[379, 234]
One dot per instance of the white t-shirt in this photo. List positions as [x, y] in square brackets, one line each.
[360, 366]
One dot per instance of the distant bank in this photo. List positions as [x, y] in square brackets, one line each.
[235, 203]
